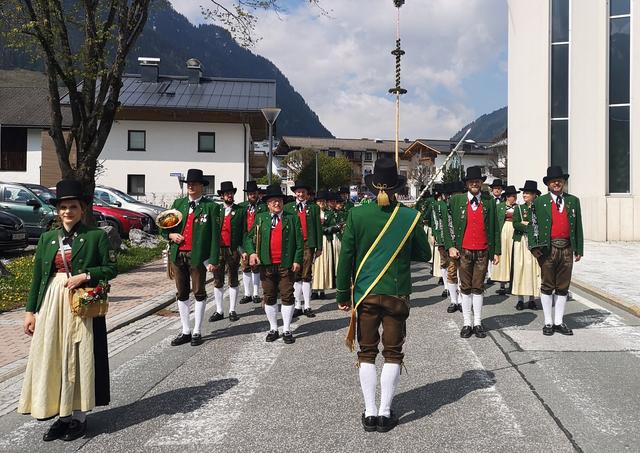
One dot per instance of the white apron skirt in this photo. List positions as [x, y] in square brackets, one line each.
[502, 272]
[526, 271]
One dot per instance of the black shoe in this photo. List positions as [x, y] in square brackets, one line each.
[233, 316]
[196, 339]
[466, 331]
[76, 430]
[257, 300]
[489, 282]
[245, 300]
[322, 296]
[501, 292]
[479, 331]
[297, 312]
[520, 305]
[309, 313]
[314, 295]
[452, 308]
[216, 317]
[563, 329]
[370, 424]
[57, 430]
[532, 305]
[287, 337]
[181, 339]
[547, 330]
[440, 281]
[445, 293]
[459, 307]
[272, 336]
[386, 424]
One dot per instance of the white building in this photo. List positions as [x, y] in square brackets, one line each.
[574, 67]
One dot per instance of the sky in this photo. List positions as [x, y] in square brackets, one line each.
[455, 66]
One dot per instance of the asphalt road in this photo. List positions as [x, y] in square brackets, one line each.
[512, 391]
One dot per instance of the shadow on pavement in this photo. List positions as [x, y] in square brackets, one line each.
[321, 326]
[585, 318]
[523, 318]
[181, 400]
[423, 401]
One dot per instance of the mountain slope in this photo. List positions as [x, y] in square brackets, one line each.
[171, 37]
[486, 127]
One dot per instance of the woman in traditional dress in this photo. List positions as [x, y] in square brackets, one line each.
[340, 219]
[67, 373]
[502, 271]
[526, 271]
[323, 265]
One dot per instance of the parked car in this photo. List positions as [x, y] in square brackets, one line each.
[13, 236]
[123, 220]
[35, 212]
[120, 199]
[47, 194]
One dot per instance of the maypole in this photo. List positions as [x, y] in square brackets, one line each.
[398, 90]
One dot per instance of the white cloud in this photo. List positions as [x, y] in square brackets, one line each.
[343, 68]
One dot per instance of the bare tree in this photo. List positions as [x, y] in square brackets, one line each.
[420, 174]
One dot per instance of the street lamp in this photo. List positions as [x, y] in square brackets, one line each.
[270, 114]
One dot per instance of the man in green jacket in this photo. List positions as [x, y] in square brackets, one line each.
[555, 239]
[309, 216]
[374, 281]
[251, 274]
[345, 194]
[472, 238]
[232, 223]
[194, 245]
[275, 245]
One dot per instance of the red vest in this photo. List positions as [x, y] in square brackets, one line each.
[559, 222]
[225, 232]
[251, 217]
[303, 222]
[187, 234]
[275, 244]
[475, 237]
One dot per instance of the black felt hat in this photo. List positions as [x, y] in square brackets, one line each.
[385, 177]
[195, 175]
[530, 186]
[438, 188]
[300, 185]
[474, 172]
[69, 189]
[510, 190]
[344, 189]
[322, 195]
[251, 186]
[226, 186]
[273, 191]
[497, 183]
[554, 172]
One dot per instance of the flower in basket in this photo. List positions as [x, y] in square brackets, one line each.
[96, 295]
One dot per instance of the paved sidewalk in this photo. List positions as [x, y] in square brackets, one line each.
[133, 295]
[611, 270]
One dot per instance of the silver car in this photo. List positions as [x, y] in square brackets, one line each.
[118, 198]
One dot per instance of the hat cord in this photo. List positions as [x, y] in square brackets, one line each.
[382, 198]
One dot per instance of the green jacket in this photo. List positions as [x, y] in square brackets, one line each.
[89, 253]
[238, 224]
[501, 214]
[438, 210]
[292, 242]
[205, 233]
[340, 221]
[260, 206]
[314, 229]
[425, 206]
[457, 213]
[364, 224]
[329, 224]
[522, 212]
[540, 232]
[348, 205]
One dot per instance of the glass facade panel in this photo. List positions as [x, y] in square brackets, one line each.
[560, 21]
[619, 7]
[619, 58]
[560, 143]
[619, 168]
[560, 81]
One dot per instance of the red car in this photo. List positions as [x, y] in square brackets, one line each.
[123, 219]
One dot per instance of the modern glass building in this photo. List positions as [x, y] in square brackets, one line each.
[574, 67]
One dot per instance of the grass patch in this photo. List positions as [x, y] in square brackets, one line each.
[14, 289]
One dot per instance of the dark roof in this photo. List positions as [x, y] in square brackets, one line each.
[24, 106]
[214, 94]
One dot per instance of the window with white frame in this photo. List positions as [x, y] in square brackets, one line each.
[619, 161]
[560, 37]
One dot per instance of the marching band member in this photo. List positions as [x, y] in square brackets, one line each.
[526, 271]
[251, 275]
[323, 266]
[504, 212]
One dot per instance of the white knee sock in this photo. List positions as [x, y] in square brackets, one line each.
[218, 295]
[297, 294]
[233, 298]
[81, 416]
[459, 293]
[368, 383]
[272, 316]
[256, 284]
[467, 301]
[443, 273]
[388, 383]
[198, 311]
[520, 298]
[306, 294]
[453, 292]
[184, 307]
[547, 308]
[287, 314]
[561, 302]
[246, 282]
[478, 299]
